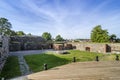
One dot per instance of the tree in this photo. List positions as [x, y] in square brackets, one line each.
[29, 34]
[47, 36]
[118, 40]
[59, 38]
[10, 32]
[4, 25]
[20, 33]
[113, 38]
[99, 35]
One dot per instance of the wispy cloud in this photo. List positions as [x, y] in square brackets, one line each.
[70, 18]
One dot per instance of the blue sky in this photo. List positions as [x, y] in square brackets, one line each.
[69, 18]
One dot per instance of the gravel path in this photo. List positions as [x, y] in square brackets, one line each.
[24, 68]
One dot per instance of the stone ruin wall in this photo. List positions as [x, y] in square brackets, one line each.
[62, 46]
[38, 43]
[115, 47]
[4, 50]
[28, 43]
[98, 47]
[95, 47]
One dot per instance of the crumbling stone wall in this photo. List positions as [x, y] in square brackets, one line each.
[4, 50]
[62, 46]
[94, 47]
[58, 46]
[98, 47]
[28, 43]
[115, 47]
[91, 47]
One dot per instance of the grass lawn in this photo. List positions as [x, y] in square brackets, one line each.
[37, 61]
[11, 68]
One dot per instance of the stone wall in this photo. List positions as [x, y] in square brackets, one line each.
[28, 43]
[94, 47]
[62, 46]
[98, 47]
[4, 50]
[114, 47]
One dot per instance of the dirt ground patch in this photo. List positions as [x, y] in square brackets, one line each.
[103, 70]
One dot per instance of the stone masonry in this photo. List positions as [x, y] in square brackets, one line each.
[94, 47]
[28, 43]
[98, 47]
[4, 50]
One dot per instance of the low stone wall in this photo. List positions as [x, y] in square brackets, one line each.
[97, 47]
[4, 50]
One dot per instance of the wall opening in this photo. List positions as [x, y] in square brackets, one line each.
[108, 48]
[87, 49]
[0, 44]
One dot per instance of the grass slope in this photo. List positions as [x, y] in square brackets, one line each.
[37, 61]
[11, 68]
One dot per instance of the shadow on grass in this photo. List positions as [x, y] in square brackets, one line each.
[36, 62]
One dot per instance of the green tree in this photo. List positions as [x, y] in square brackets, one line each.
[47, 36]
[29, 34]
[10, 32]
[5, 26]
[118, 40]
[99, 35]
[59, 38]
[20, 33]
[113, 38]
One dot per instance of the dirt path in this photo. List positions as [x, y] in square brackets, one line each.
[104, 70]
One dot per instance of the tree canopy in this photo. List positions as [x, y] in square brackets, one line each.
[5, 26]
[113, 38]
[99, 35]
[20, 33]
[59, 38]
[47, 36]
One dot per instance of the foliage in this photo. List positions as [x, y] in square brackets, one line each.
[29, 34]
[10, 32]
[20, 33]
[47, 36]
[37, 61]
[11, 68]
[113, 38]
[5, 25]
[99, 35]
[118, 40]
[59, 38]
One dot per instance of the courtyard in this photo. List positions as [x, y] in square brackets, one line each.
[30, 65]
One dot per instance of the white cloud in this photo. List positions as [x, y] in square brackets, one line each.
[71, 20]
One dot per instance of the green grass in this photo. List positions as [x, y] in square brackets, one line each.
[109, 57]
[11, 68]
[37, 61]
